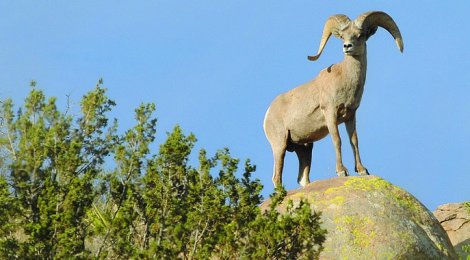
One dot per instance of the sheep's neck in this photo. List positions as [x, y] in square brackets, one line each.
[355, 68]
[354, 77]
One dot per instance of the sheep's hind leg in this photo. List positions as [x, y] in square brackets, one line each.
[279, 155]
[304, 153]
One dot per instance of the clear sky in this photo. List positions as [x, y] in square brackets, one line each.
[214, 67]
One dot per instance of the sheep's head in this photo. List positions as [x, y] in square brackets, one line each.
[354, 34]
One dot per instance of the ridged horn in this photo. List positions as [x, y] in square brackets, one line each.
[369, 22]
[333, 24]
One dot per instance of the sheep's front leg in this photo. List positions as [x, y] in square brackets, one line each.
[351, 129]
[331, 123]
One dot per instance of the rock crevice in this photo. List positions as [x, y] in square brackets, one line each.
[455, 220]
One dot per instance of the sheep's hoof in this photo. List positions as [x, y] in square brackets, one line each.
[342, 173]
[363, 173]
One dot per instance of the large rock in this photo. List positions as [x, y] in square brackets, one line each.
[370, 218]
[454, 218]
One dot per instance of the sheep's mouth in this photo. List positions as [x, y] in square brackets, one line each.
[349, 52]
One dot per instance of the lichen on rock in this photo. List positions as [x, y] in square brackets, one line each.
[367, 217]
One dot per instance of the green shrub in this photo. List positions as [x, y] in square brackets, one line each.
[58, 201]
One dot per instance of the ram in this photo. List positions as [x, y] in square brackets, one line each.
[298, 118]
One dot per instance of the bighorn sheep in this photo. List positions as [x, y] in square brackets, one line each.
[310, 111]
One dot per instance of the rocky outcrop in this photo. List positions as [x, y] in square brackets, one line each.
[454, 218]
[370, 218]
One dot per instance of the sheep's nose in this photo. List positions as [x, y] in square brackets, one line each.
[347, 45]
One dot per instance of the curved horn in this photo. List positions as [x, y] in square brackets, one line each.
[334, 24]
[369, 22]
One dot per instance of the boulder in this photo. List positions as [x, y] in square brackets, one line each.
[454, 218]
[369, 218]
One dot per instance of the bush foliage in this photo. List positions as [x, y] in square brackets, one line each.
[59, 201]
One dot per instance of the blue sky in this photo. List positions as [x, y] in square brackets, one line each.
[214, 67]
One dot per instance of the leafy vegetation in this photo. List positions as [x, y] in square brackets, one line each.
[59, 201]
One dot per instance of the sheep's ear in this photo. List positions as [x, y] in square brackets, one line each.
[336, 34]
[371, 31]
